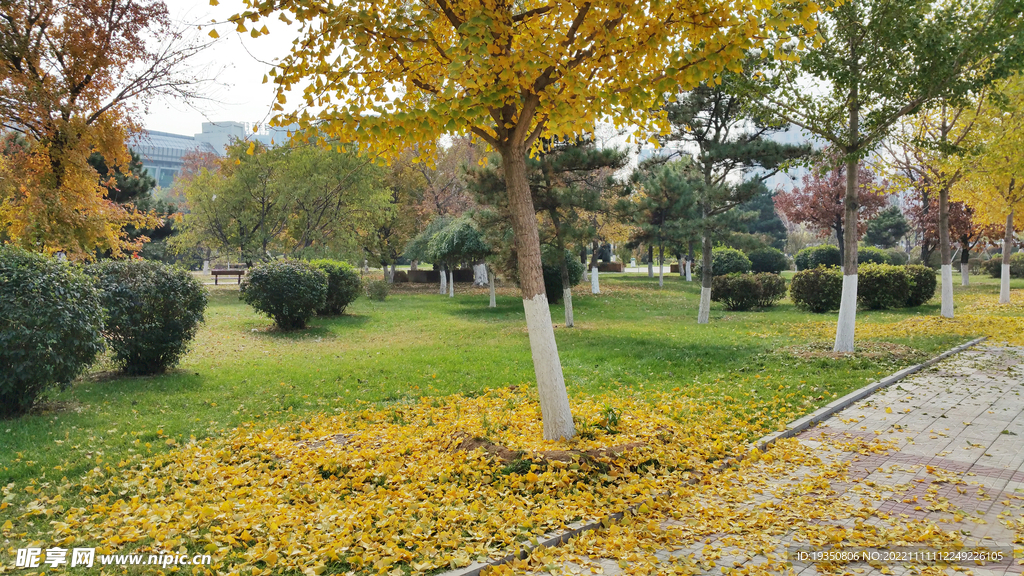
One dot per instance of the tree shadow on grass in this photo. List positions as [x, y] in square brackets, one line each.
[325, 327]
[169, 382]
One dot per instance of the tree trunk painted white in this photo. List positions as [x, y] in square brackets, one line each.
[965, 275]
[661, 267]
[567, 300]
[947, 291]
[1004, 285]
[414, 265]
[704, 311]
[847, 315]
[490, 285]
[444, 282]
[586, 275]
[595, 285]
[689, 277]
[554, 402]
[679, 265]
[479, 275]
[1004, 278]
[706, 278]
[451, 284]
[206, 266]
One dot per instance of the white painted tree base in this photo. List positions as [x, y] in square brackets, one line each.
[490, 283]
[661, 276]
[479, 275]
[554, 402]
[965, 275]
[595, 284]
[689, 278]
[567, 300]
[1004, 285]
[451, 284]
[444, 282]
[947, 291]
[586, 275]
[704, 311]
[847, 315]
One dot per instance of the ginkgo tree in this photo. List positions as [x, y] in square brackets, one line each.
[876, 61]
[388, 75]
[994, 181]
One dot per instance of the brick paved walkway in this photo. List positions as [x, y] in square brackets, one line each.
[955, 464]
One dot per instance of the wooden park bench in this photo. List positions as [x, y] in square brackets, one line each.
[235, 272]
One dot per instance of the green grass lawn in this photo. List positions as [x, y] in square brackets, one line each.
[634, 336]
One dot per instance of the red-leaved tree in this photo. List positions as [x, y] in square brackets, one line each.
[819, 202]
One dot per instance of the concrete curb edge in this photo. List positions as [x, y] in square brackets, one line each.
[792, 429]
[797, 426]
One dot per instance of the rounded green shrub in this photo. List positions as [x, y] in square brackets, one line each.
[726, 261]
[289, 291]
[818, 289]
[745, 291]
[553, 275]
[1017, 265]
[343, 285]
[736, 291]
[377, 290]
[814, 256]
[768, 260]
[773, 289]
[993, 266]
[153, 312]
[50, 327]
[872, 255]
[881, 286]
[922, 284]
[896, 257]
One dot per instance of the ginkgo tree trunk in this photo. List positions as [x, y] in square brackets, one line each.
[389, 75]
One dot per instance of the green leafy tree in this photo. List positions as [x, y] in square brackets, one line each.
[887, 228]
[876, 61]
[302, 201]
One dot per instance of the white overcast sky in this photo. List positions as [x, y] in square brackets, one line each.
[237, 62]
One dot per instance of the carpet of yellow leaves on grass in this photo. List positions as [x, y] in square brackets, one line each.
[372, 490]
[975, 315]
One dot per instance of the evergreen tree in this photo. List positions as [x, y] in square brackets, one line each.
[731, 145]
[887, 228]
[565, 180]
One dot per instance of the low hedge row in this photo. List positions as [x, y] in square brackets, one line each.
[745, 291]
[828, 255]
[994, 266]
[293, 291]
[879, 286]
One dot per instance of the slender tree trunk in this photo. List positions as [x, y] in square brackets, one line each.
[706, 275]
[847, 324]
[563, 266]
[841, 241]
[679, 264]
[945, 251]
[444, 279]
[451, 283]
[689, 263]
[414, 265]
[965, 263]
[1004, 277]
[650, 261]
[490, 286]
[554, 401]
[593, 257]
[661, 266]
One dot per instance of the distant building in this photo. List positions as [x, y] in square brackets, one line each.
[163, 153]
